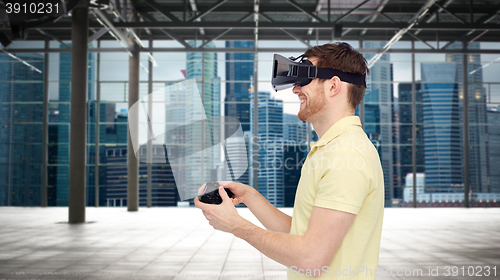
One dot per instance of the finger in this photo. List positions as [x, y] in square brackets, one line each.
[224, 195]
[198, 203]
[201, 205]
[201, 189]
[228, 184]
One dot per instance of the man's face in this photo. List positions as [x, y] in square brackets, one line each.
[312, 98]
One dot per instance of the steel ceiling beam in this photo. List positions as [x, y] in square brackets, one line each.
[319, 4]
[176, 38]
[450, 13]
[470, 32]
[379, 9]
[310, 7]
[206, 12]
[162, 10]
[215, 37]
[108, 24]
[345, 32]
[489, 17]
[305, 25]
[53, 37]
[168, 33]
[415, 20]
[261, 50]
[351, 11]
[278, 35]
[456, 9]
[224, 32]
[435, 15]
[300, 8]
[486, 20]
[267, 17]
[97, 34]
[194, 7]
[409, 32]
[297, 38]
[278, 25]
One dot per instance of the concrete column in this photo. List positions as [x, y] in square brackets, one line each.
[78, 128]
[133, 162]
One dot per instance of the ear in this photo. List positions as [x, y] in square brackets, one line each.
[334, 86]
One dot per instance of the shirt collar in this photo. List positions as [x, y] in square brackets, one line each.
[336, 129]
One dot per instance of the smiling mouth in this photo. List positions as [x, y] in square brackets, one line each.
[302, 101]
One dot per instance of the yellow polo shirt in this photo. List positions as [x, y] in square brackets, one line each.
[343, 172]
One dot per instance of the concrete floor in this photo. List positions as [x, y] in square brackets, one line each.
[178, 243]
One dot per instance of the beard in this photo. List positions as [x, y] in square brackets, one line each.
[314, 103]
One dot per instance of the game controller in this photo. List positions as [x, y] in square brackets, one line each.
[211, 193]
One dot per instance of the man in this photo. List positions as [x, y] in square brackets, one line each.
[336, 226]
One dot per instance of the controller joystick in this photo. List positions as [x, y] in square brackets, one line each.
[211, 193]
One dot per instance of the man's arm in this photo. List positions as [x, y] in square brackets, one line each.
[315, 249]
[271, 217]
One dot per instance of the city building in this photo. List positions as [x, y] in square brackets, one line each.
[188, 103]
[113, 178]
[21, 117]
[478, 127]
[405, 131]
[449, 198]
[379, 114]
[294, 154]
[442, 127]
[239, 72]
[270, 151]
[493, 115]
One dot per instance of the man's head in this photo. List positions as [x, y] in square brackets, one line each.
[331, 94]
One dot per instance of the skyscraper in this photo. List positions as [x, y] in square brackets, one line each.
[239, 69]
[21, 117]
[294, 155]
[493, 115]
[203, 68]
[186, 104]
[478, 126]
[239, 72]
[405, 131]
[379, 114]
[270, 153]
[294, 130]
[442, 127]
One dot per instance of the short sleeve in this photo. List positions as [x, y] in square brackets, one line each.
[345, 182]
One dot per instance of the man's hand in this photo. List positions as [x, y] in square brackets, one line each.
[222, 217]
[272, 218]
[240, 191]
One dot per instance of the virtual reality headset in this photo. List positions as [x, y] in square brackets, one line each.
[287, 73]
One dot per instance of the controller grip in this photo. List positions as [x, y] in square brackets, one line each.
[214, 197]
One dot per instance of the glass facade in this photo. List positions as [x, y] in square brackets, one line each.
[227, 86]
[21, 118]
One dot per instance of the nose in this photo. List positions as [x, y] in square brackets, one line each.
[296, 89]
